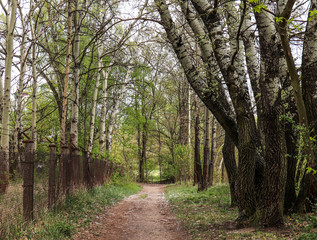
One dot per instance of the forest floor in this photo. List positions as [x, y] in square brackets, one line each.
[143, 216]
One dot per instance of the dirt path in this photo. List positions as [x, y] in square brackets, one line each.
[143, 216]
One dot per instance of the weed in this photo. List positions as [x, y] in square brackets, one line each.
[143, 196]
[77, 211]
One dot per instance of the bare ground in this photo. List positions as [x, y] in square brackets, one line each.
[143, 216]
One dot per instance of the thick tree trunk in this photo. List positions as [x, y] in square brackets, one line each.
[246, 127]
[5, 133]
[229, 159]
[216, 102]
[272, 109]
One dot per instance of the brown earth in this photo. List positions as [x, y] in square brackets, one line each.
[143, 216]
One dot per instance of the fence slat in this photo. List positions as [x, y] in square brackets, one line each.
[51, 180]
[28, 181]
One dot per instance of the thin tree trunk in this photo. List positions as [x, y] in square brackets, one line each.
[105, 75]
[5, 133]
[1, 98]
[206, 150]
[34, 93]
[18, 144]
[67, 66]
[76, 78]
[197, 161]
[212, 152]
[114, 112]
[94, 103]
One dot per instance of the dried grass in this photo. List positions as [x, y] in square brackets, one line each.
[11, 208]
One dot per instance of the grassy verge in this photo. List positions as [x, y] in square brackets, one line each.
[208, 215]
[77, 211]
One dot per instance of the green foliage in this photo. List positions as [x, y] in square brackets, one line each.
[257, 6]
[312, 15]
[308, 236]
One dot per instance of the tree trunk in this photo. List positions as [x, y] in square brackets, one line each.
[308, 190]
[76, 78]
[105, 75]
[34, 92]
[197, 161]
[206, 150]
[213, 148]
[273, 129]
[5, 133]
[114, 112]
[94, 103]
[67, 66]
[229, 160]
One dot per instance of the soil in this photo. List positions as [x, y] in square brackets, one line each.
[143, 216]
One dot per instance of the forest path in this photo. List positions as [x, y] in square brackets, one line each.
[143, 216]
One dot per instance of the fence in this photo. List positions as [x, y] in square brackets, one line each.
[47, 178]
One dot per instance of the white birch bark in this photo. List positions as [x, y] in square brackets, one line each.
[115, 112]
[105, 75]
[76, 78]
[34, 91]
[67, 66]
[18, 123]
[196, 81]
[94, 103]
[4, 165]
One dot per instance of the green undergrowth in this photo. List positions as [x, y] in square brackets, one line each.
[76, 212]
[209, 215]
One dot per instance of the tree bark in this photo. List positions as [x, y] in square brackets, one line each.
[105, 75]
[273, 129]
[308, 187]
[206, 150]
[94, 103]
[228, 152]
[5, 133]
[67, 66]
[213, 148]
[197, 161]
[76, 77]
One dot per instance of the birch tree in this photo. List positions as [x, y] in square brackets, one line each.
[5, 131]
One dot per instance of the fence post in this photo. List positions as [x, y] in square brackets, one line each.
[75, 167]
[96, 170]
[51, 177]
[91, 161]
[28, 181]
[85, 169]
[65, 170]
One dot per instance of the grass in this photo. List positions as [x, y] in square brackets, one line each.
[208, 215]
[77, 211]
